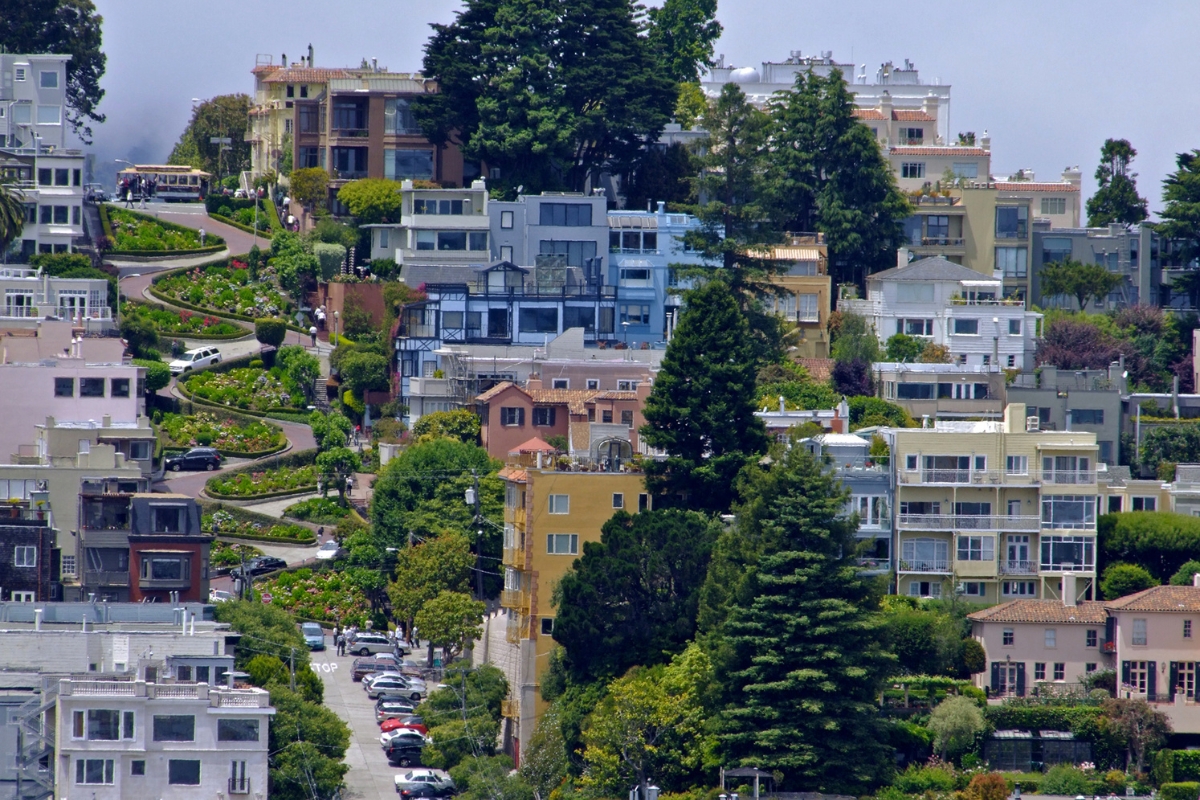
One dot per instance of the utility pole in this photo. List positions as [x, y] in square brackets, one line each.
[478, 538]
[292, 665]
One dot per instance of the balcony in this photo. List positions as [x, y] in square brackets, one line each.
[929, 565]
[514, 557]
[510, 709]
[1108, 646]
[515, 598]
[875, 564]
[1069, 478]
[1018, 568]
[25, 517]
[239, 786]
[964, 522]
[941, 241]
[349, 133]
[1068, 566]
[102, 578]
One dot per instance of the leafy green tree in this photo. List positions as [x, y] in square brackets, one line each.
[905, 348]
[12, 215]
[223, 116]
[690, 105]
[547, 93]
[792, 382]
[1066, 778]
[330, 430]
[331, 231]
[1116, 198]
[309, 186]
[856, 340]
[302, 367]
[336, 466]
[462, 424]
[1143, 728]
[1181, 210]
[682, 34]
[1175, 444]
[1119, 580]
[270, 331]
[866, 411]
[422, 491]
[632, 597]
[793, 587]
[140, 335]
[652, 724]
[449, 621]
[294, 263]
[424, 570]
[1159, 541]
[364, 372]
[829, 175]
[925, 639]
[701, 409]
[273, 630]
[1081, 281]
[1185, 574]
[955, 723]
[68, 27]
[490, 778]
[158, 374]
[306, 743]
[662, 174]
[330, 257]
[372, 200]
[544, 761]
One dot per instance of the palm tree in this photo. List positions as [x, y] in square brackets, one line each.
[12, 215]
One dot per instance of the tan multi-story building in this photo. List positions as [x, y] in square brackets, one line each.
[1055, 201]
[994, 510]
[353, 122]
[549, 516]
[803, 294]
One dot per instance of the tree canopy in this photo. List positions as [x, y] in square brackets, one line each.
[681, 36]
[701, 409]
[1181, 210]
[545, 92]
[1081, 281]
[372, 200]
[70, 27]
[632, 597]
[223, 116]
[1116, 198]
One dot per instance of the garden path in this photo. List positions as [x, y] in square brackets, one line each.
[275, 507]
[193, 215]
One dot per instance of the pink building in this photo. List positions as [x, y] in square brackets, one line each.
[599, 425]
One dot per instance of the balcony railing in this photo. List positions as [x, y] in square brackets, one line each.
[1067, 567]
[239, 786]
[105, 578]
[350, 133]
[995, 477]
[515, 598]
[968, 522]
[515, 628]
[1018, 568]
[1069, 477]
[875, 563]
[928, 565]
[514, 557]
[942, 241]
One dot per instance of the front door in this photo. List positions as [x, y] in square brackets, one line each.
[1008, 680]
[1018, 551]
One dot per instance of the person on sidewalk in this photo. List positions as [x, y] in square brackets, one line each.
[312, 331]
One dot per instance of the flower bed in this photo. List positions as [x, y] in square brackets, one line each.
[226, 291]
[250, 389]
[223, 555]
[320, 510]
[318, 596]
[131, 232]
[189, 324]
[269, 482]
[224, 523]
[231, 437]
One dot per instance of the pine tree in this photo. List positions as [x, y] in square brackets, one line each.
[804, 656]
[1181, 214]
[682, 35]
[1116, 198]
[828, 175]
[701, 410]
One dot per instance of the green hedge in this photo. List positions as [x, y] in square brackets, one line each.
[301, 458]
[1015, 716]
[242, 515]
[289, 415]
[222, 413]
[267, 213]
[1188, 790]
[216, 337]
[106, 225]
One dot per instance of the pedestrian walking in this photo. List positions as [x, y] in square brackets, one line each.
[202, 235]
[129, 198]
[312, 331]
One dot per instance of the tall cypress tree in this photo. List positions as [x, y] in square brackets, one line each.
[830, 176]
[701, 409]
[803, 651]
[1181, 213]
[1116, 198]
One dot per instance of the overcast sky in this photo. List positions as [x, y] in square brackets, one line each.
[1048, 80]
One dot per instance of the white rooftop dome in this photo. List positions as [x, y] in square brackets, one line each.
[744, 75]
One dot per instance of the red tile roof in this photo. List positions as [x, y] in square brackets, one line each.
[868, 113]
[910, 115]
[517, 474]
[819, 369]
[1159, 598]
[1031, 186]
[306, 75]
[1087, 612]
[494, 391]
[938, 150]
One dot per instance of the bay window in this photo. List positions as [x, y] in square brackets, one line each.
[925, 555]
[1069, 511]
[1068, 553]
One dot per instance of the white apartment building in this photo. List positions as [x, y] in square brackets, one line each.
[33, 152]
[437, 227]
[29, 296]
[188, 741]
[948, 304]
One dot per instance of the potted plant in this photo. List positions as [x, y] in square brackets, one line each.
[14, 504]
[41, 509]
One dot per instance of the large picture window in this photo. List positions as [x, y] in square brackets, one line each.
[573, 215]
[924, 555]
[1068, 553]
[94, 770]
[181, 772]
[539, 320]
[412, 163]
[175, 728]
[237, 730]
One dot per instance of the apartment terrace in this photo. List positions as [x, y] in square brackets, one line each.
[990, 477]
[216, 697]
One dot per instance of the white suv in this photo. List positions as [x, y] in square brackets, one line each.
[200, 357]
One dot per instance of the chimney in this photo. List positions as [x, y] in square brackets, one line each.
[902, 254]
[662, 207]
[782, 406]
[310, 56]
[283, 58]
[1068, 589]
[106, 421]
[1196, 580]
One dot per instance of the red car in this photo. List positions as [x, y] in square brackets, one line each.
[410, 723]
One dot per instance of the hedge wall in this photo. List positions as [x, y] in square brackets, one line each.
[220, 412]
[1179, 791]
[301, 458]
[106, 225]
[242, 515]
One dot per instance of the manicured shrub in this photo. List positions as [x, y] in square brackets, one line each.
[1067, 779]
[1187, 790]
[271, 331]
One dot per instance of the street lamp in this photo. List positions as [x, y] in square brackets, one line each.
[335, 328]
[625, 329]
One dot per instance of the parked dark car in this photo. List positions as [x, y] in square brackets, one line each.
[403, 755]
[425, 790]
[195, 459]
[261, 565]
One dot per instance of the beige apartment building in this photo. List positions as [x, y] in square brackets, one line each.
[549, 515]
[994, 510]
